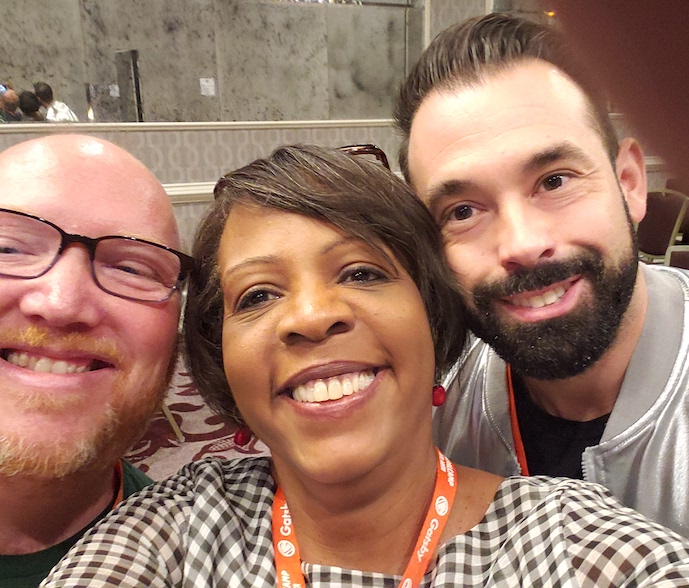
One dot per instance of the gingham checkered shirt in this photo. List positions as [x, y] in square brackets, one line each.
[210, 525]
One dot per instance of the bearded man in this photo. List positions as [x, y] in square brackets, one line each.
[580, 368]
[89, 306]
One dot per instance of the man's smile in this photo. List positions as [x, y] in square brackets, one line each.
[544, 297]
[44, 364]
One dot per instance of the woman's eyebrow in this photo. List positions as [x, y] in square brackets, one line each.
[275, 258]
[344, 240]
[245, 263]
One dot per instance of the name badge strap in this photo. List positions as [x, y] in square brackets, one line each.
[288, 561]
[436, 518]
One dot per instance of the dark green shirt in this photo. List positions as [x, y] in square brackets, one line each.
[28, 571]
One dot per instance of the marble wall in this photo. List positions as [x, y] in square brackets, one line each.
[443, 13]
[42, 41]
[258, 59]
[276, 68]
[372, 59]
[175, 41]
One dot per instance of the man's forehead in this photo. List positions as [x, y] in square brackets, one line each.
[530, 95]
[49, 152]
[74, 174]
[89, 187]
[531, 82]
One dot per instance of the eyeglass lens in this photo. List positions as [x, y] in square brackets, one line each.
[29, 247]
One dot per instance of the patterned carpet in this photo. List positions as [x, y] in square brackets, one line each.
[161, 454]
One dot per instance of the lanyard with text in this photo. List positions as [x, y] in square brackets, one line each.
[288, 561]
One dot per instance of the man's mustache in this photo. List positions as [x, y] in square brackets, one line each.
[539, 277]
[72, 342]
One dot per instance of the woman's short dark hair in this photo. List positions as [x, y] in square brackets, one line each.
[350, 193]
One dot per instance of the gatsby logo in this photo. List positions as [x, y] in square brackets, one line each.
[286, 528]
[441, 505]
[286, 548]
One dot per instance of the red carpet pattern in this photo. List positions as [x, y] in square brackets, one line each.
[206, 434]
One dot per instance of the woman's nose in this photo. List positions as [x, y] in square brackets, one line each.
[314, 313]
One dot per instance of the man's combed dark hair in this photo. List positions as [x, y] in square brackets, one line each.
[359, 197]
[469, 52]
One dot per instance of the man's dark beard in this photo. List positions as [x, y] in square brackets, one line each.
[564, 346]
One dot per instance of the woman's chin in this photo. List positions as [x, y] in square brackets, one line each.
[339, 466]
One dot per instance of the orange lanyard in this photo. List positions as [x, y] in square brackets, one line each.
[514, 421]
[288, 561]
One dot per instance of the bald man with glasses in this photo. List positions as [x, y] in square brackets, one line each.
[90, 277]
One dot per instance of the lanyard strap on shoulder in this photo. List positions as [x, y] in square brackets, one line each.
[288, 560]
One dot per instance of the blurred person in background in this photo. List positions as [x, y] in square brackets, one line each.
[10, 106]
[30, 107]
[55, 111]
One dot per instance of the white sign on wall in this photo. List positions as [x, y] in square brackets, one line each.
[207, 86]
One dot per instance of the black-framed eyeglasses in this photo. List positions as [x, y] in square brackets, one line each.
[367, 149]
[126, 267]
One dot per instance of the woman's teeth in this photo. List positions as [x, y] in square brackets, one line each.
[333, 388]
[44, 364]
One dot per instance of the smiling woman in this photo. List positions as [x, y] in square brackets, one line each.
[320, 313]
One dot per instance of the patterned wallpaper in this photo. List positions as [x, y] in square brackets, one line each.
[202, 152]
[188, 158]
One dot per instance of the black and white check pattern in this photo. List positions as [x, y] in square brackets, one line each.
[210, 525]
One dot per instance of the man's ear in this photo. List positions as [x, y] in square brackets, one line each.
[631, 175]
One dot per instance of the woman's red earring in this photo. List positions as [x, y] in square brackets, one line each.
[242, 436]
[439, 395]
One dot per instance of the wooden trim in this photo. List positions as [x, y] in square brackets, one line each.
[190, 193]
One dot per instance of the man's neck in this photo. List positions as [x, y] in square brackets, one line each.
[37, 513]
[593, 393]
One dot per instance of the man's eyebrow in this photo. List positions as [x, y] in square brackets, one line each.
[555, 153]
[444, 190]
[537, 161]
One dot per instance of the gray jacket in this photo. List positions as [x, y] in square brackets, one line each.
[643, 456]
